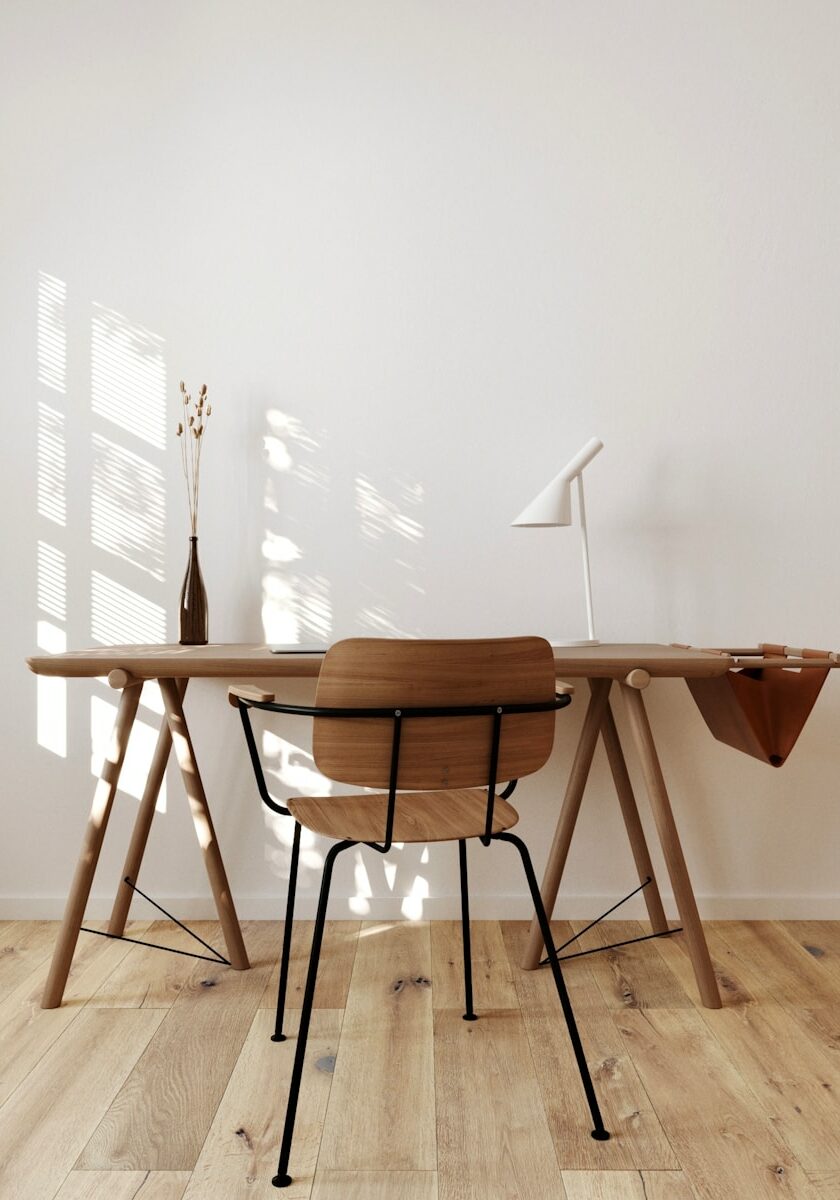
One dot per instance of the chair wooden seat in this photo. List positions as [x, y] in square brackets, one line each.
[438, 816]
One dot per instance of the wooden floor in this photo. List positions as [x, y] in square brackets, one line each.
[157, 1079]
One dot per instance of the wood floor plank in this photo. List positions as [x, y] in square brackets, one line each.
[823, 1025]
[826, 1183]
[633, 976]
[726, 1145]
[637, 1137]
[163, 1112]
[743, 1099]
[627, 1185]
[667, 1185]
[775, 966]
[27, 949]
[239, 1157]
[124, 1185]
[150, 978]
[24, 945]
[820, 939]
[577, 973]
[725, 962]
[375, 1185]
[338, 949]
[26, 1030]
[794, 1079]
[491, 972]
[162, 1185]
[50, 1116]
[381, 1113]
[492, 1133]
[604, 1185]
[95, 959]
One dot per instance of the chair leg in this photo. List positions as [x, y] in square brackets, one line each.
[599, 1133]
[279, 1035]
[283, 1178]
[469, 1015]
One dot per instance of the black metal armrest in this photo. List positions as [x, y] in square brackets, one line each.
[245, 697]
[241, 700]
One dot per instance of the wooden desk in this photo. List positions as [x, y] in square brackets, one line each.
[128, 667]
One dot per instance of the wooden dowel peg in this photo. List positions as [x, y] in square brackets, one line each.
[120, 678]
[638, 678]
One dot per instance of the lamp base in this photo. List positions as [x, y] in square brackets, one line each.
[564, 643]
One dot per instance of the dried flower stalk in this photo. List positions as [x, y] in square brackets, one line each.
[196, 415]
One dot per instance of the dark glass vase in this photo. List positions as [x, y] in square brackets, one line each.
[193, 611]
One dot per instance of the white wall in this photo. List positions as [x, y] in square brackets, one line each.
[420, 252]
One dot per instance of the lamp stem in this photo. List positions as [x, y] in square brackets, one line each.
[587, 582]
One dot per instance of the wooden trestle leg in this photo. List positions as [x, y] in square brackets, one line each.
[203, 822]
[671, 848]
[568, 816]
[143, 824]
[632, 823]
[100, 811]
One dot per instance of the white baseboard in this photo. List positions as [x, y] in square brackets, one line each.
[482, 908]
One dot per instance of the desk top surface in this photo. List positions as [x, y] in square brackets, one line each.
[251, 661]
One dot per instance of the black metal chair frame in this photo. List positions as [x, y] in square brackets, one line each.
[398, 715]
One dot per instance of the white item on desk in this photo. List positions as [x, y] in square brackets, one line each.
[297, 649]
[553, 506]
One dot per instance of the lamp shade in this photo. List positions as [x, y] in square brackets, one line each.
[553, 505]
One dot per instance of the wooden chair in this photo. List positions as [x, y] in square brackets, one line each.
[437, 724]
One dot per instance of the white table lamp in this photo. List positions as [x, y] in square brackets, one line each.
[553, 506]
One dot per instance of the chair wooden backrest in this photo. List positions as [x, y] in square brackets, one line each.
[435, 752]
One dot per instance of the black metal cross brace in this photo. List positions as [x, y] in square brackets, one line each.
[119, 937]
[598, 949]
